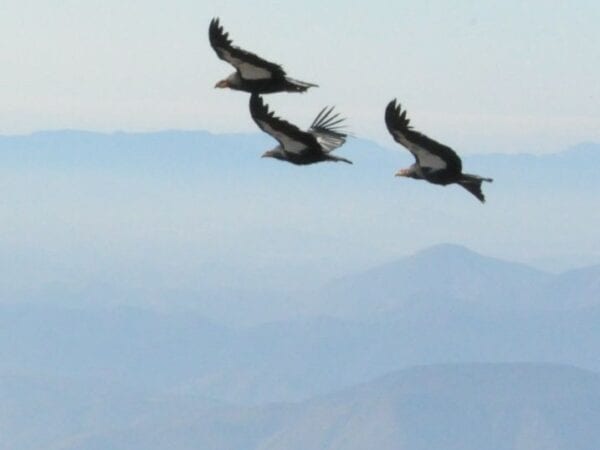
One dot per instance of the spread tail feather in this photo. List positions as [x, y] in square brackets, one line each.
[472, 183]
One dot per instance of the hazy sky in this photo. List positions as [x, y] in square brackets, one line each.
[483, 76]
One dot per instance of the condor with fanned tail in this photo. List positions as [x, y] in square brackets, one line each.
[296, 146]
[253, 74]
[435, 162]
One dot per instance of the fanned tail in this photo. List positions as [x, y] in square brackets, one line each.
[472, 183]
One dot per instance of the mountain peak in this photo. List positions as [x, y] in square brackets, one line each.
[442, 276]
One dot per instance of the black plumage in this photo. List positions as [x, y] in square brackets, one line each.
[253, 74]
[296, 146]
[435, 162]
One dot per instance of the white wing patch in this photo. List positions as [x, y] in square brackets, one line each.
[329, 142]
[247, 71]
[289, 145]
[424, 157]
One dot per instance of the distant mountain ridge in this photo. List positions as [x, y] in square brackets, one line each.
[454, 407]
[78, 146]
[440, 272]
[464, 407]
[322, 221]
[450, 276]
[97, 223]
[445, 304]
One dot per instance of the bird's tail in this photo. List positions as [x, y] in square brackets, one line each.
[472, 183]
[298, 86]
[338, 159]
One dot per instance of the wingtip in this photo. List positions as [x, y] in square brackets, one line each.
[258, 106]
[391, 113]
[214, 24]
[213, 31]
[396, 117]
[392, 108]
[255, 99]
[217, 35]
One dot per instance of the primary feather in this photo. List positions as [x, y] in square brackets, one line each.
[253, 73]
[297, 146]
[434, 162]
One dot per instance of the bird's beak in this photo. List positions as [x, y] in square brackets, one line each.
[222, 84]
[401, 173]
[264, 155]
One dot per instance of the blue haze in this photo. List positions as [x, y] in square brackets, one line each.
[149, 216]
[174, 288]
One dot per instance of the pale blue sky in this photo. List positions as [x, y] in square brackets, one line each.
[482, 76]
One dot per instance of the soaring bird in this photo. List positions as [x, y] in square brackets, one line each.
[435, 162]
[253, 74]
[296, 146]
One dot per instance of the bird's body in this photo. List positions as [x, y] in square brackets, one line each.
[435, 162]
[253, 74]
[297, 146]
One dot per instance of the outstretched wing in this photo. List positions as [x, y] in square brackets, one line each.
[429, 154]
[328, 129]
[248, 65]
[289, 136]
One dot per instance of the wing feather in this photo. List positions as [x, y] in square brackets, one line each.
[248, 65]
[289, 136]
[328, 129]
[428, 153]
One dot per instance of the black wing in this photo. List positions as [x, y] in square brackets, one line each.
[429, 154]
[328, 128]
[289, 136]
[248, 65]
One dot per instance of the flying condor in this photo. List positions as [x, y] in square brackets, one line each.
[253, 74]
[435, 162]
[296, 146]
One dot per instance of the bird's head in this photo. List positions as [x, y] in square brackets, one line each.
[269, 154]
[233, 81]
[275, 153]
[222, 84]
[411, 172]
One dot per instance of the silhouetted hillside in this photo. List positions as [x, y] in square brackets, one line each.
[575, 288]
[444, 276]
[444, 304]
[147, 214]
[455, 407]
